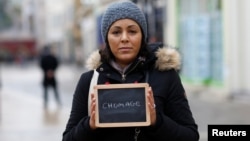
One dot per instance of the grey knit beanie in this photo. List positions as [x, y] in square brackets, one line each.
[123, 10]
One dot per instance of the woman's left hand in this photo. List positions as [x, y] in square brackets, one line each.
[152, 106]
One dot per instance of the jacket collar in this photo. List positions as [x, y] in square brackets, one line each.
[166, 58]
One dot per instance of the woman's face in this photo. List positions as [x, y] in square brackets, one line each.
[124, 38]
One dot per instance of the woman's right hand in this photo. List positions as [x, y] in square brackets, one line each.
[92, 112]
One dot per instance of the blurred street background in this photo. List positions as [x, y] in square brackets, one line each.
[211, 35]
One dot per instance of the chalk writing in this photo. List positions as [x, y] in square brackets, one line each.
[120, 105]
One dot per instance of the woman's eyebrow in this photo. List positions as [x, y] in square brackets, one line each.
[132, 26]
[115, 27]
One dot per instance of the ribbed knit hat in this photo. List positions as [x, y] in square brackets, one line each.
[123, 10]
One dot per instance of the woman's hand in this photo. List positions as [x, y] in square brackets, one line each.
[152, 106]
[92, 112]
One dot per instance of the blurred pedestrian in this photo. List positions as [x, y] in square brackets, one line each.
[128, 58]
[49, 64]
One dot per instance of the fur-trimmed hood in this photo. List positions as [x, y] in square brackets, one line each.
[167, 58]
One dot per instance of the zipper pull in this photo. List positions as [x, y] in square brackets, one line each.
[137, 132]
[123, 77]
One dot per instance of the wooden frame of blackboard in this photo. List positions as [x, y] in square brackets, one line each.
[142, 116]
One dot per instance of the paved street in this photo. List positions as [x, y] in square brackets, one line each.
[23, 117]
[209, 111]
[21, 104]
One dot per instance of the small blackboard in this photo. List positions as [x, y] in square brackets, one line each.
[122, 105]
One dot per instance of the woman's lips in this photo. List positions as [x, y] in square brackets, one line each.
[125, 48]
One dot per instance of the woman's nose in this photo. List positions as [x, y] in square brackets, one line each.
[124, 37]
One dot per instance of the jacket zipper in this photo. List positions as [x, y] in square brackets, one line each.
[124, 75]
[137, 132]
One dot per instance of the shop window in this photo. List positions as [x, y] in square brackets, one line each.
[200, 40]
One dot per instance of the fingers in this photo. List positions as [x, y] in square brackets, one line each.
[151, 98]
[152, 106]
[93, 103]
[92, 112]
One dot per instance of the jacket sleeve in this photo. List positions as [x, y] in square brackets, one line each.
[174, 117]
[78, 128]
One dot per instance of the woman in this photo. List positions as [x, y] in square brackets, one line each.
[128, 59]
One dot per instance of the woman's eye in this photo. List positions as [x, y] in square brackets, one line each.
[133, 31]
[115, 32]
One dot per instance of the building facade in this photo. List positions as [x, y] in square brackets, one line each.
[212, 37]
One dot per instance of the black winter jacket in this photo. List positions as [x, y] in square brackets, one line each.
[49, 62]
[174, 122]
